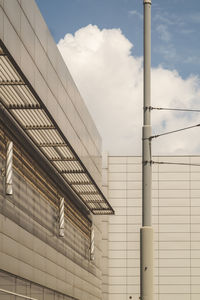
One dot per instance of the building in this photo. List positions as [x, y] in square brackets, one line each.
[176, 223]
[51, 154]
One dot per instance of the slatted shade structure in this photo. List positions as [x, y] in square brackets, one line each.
[24, 105]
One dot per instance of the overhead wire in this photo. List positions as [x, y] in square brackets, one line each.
[175, 109]
[170, 132]
[174, 131]
[173, 163]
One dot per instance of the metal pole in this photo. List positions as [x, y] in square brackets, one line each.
[146, 232]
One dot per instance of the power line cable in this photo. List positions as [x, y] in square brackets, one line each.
[174, 131]
[173, 163]
[175, 109]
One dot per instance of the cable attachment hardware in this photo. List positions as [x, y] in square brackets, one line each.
[148, 108]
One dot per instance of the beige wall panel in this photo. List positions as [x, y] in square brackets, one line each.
[116, 245]
[174, 211]
[13, 12]
[117, 177]
[174, 202]
[174, 177]
[1, 23]
[195, 262]
[195, 185]
[118, 202]
[174, 185]
[134, 220]
[178, 289]
[133, 254]
[134, 168]
[117, 296]
[176, 254]
[174, 280]
[115, 271]
[133, 202]
[174, 193]
[117, 228]
[117, 194]
[134, 176]
[117, 185]
[195, 227]
[195, 202]
[117, 219]
[184, 219]
[117, 280]
[195, 193]
[195, 296]
[132, 272]
[133, 280]
[195, 175]
[114, 237]
[131, 194]
[117, 168]
[195, 271]
[174, 236]
[117, 254]
[133, 228]
[117, 160]
[134, 185]
[27, 35]
[195, 220]
[174, 262]
[195, 280]
[117, 263]
[195, 254]
[11, 39]
[176, 296]
[176, 226]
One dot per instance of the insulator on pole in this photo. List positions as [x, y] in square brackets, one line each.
[9, 168]
[92, 245]
[62, 217]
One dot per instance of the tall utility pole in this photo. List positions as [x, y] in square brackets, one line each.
[146, 232]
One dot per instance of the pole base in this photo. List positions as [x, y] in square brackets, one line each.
[146, 263]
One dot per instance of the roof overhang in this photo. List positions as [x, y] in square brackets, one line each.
[23, 103]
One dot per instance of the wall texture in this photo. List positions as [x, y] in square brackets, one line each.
[176, 222]
[31, 251]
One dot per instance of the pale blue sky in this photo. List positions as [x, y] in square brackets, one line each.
[175, 26]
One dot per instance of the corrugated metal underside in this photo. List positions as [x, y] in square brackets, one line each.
[18, 97]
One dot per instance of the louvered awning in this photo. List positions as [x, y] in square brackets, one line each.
[23, 103]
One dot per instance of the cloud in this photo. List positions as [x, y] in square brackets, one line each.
[110, 80]
[136, 13]
[194, 17]
[163, 32]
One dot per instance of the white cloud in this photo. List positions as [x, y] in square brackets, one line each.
[110, 80]
[163, 32]
[136, 13]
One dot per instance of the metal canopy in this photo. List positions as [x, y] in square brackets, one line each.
[22, 102]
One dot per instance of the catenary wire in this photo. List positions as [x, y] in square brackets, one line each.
[175, 109]
[174, 131]
[173, 163]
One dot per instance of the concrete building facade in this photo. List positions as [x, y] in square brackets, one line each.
[56, 154]
[176, 223]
